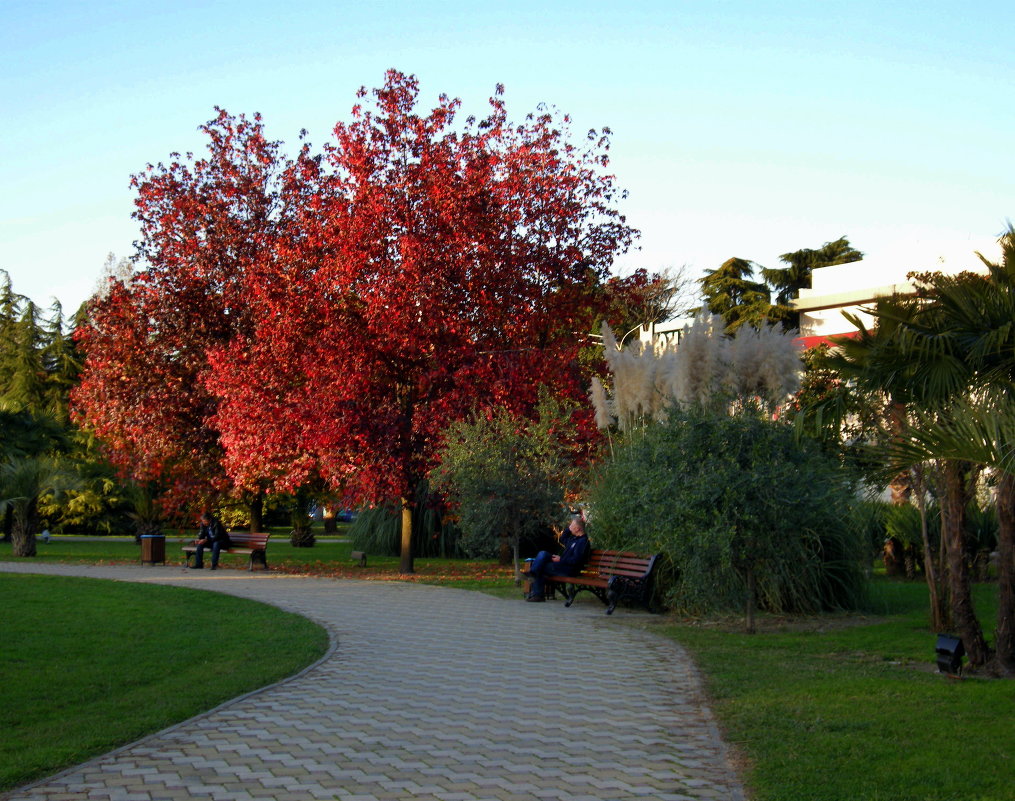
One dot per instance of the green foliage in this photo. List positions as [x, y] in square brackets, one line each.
[378, 529]
[24, 433]
[729, 500]
[902, 522]
[505, 475]
[24, 483]
[868, 521]
[731, 292]
[39, 365]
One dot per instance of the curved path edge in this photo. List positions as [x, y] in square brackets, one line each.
[427, 693]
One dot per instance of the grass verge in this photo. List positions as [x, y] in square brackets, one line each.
[851, 707]
[89, 665]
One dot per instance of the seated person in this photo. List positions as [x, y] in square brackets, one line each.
[212, 535]
[576, 554]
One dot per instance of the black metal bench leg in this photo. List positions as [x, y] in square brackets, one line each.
[611, 601]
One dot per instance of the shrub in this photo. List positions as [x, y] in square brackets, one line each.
[742, 511]
[378, 529]
[505, 474]
[302, 537]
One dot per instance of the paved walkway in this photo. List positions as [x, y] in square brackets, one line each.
[429, 694]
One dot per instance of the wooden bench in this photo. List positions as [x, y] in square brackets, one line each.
[612, 576]
[240, 542]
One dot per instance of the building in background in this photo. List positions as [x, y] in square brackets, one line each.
[851, 287]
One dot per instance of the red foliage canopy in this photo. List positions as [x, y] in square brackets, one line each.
[328, 317]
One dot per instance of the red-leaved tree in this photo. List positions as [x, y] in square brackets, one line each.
[324, 319]
[440, 267]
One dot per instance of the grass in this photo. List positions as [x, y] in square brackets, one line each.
[851, 707]
[89, 665]
[824, 708]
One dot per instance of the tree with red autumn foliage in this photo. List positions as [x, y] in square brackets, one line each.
[324, 320]
[440, 268]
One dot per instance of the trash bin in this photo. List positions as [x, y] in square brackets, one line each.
[153, 549]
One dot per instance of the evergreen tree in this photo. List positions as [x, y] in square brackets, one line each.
[786, 282]
[10, 310]
[26, 380]
[60, 363]
[731, 292]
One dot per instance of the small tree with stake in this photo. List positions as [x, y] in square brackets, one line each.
[505, 474]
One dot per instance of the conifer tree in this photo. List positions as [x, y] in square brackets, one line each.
[26, 380]
[60, 364]
[731, 292]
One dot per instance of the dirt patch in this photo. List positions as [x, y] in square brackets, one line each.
[769, 624]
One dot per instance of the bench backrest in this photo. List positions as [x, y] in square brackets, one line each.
[242, 539]
[618, 563]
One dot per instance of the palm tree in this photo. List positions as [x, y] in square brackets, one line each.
[23, 482]
[980, 430]
[915, 362]
[973, 320]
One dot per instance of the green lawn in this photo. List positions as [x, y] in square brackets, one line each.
[838, 707]
[89, 665]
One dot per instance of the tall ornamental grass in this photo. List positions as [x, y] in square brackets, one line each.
[757, 368]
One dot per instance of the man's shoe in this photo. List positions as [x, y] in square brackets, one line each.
[535, 598]
[214, 567]
[197, 567]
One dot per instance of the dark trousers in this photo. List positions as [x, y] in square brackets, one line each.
[543, 565]
[216, 548]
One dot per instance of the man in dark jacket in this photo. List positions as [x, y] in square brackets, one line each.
[569, 563]
[212, 535]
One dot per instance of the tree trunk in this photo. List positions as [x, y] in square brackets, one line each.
[256, 507]
[504, 552]
[515, 542]
[405, 566]
[963, 613]
[8, 524]
[1005, 635]
[23, 531]
[939, 619]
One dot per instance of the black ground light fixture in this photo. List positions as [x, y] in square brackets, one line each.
[949, 654]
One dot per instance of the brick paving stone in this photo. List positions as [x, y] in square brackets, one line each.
[427, 693]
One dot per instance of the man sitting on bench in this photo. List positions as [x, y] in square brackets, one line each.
[576, 554]
[212, 535]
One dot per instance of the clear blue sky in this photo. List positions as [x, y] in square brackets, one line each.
[740, 128]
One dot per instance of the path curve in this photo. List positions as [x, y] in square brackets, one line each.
[431, 694]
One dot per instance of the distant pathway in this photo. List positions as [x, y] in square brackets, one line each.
[430, 694]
